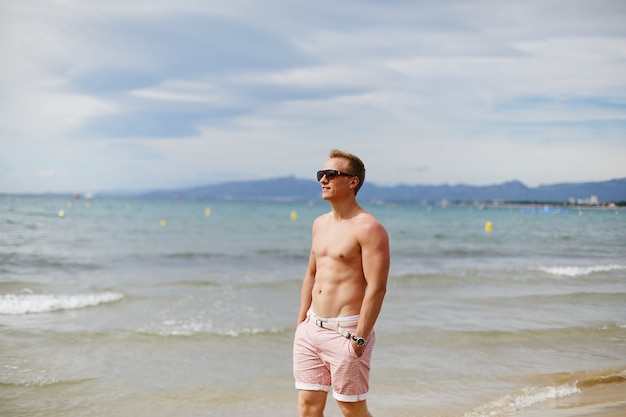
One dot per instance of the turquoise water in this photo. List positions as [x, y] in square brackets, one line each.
[134, 307]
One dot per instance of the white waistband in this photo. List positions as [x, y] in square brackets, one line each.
[342, 321]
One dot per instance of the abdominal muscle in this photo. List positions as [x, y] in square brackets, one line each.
[337, 292]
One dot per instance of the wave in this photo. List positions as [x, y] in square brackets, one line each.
[542, 299]
[188, 283]
[588, 380]
[194, 255]
[230, 285]
[177, 328]
[575, 271]
[441, 278]
[511, 405]
[10, 261]
[42, 382]
[561, 385]
[44, 303]
[483, 338]
[283, 253]
[264, 252]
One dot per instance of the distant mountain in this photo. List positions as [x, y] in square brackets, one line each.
[288, 188]
[291, 188]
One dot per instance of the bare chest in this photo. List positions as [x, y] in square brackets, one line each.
[337, 243]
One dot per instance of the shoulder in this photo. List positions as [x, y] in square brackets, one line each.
[321, 220]
[367, 226]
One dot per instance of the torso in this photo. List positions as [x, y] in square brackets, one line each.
[339, 280]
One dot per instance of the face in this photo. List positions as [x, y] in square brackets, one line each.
[337, 185]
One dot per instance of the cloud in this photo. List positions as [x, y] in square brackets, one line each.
[180, 91]
[145, 94]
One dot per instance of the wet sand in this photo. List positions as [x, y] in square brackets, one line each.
[601, 401]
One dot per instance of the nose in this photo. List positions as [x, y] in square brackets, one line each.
[324, 178]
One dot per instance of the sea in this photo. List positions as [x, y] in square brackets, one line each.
[131, 306]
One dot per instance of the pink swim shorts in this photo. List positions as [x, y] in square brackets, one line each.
[323, 358]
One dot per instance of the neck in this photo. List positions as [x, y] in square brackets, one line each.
[345, 209]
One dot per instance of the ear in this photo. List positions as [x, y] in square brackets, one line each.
[354, 182]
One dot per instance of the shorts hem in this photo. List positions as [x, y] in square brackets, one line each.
[350, 398]
[312, 387]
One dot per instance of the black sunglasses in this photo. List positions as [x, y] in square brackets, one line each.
[331, 174]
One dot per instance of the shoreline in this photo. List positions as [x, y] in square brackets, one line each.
[605, 400]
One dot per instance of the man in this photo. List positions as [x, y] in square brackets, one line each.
[342, 295]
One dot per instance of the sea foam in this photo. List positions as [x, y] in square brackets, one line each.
[574, 271]
[512, 404]
[44, 303]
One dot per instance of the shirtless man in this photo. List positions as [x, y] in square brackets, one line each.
[342, 295]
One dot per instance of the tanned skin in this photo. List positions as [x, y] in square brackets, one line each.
[347, 272]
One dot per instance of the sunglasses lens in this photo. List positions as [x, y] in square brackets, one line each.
[330, 174]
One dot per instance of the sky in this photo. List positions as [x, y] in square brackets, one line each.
[159, 94]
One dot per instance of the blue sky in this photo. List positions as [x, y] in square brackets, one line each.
[155, 94]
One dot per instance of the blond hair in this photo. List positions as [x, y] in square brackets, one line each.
[356, 166]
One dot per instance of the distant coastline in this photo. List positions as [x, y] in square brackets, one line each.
[540, 207]
[291, 188]
[606, 194]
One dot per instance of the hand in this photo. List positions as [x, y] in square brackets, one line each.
[358, 349]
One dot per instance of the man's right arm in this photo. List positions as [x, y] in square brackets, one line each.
[306, 293]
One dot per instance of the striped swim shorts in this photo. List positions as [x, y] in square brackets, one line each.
[323, 358]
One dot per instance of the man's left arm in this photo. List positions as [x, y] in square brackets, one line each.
[375, 257]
